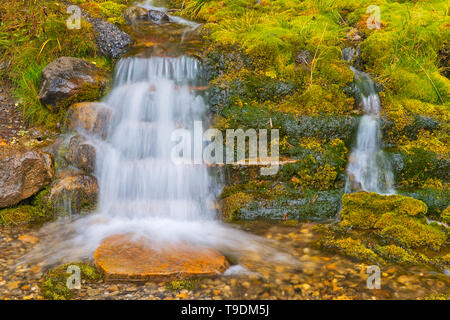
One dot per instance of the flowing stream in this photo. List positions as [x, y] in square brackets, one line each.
[368, 168]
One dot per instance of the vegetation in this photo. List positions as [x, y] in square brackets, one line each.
[54, 283]
[280, 63]
[34, 210]
[386, 229]
[32, 34]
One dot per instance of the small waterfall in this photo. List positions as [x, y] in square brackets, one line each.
[137, 176]
[368, 168]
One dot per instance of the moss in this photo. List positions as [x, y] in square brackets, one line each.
[364, 209]
[396, 254]
[54, 283]
[438, 296]
[34, 210]
[445, 216]
[397, 217]
[232, 204]
[186, 284]
[87, 92]
[352, 248]
[435, 199]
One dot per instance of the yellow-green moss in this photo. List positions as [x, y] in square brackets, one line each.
[232, 204]
[397, 217]
[32, 211]
[363, 209]
[395, 254]
[445, 215]
[177, 285]
[351, 247]
[54, 283]
[410, 232]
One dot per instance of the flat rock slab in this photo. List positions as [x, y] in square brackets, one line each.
[120, 258]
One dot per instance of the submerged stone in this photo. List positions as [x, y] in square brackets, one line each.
[122, 258]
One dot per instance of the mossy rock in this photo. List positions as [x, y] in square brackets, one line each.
[395, 254]
[436, 200]
[445, 216]
[363, 209]
[352, 248]
[54, 283]
[396, 217]
[29, 211]
[231, 205]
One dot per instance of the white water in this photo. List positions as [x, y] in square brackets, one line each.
[368, 167]
[142, 192]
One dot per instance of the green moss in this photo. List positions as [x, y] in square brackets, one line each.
[351, 248]
[396, 254]
[410, 232]
[232, 204]
[177, 285]
[34, 210]
[87, 92]
[445, 216]
[54, 283]
[364, 209]
[397, 217]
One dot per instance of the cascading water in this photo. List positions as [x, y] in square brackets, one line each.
[138, 178]
[368, 167]
[143, 192]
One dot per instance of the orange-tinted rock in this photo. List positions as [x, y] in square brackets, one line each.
[123, 259]
[90, 117]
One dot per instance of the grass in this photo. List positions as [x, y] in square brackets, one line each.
[32, 34]
[405, 56]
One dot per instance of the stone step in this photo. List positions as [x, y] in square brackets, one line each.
[122, 258]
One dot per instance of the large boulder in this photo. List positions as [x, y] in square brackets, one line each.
[90, 117]
[74, 193]
[67, 80]
[81, 154]
[23, 172]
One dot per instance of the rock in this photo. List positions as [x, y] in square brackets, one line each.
[74, 194]
[158, 17]
[90, 117]
[111, 41]
[123, 259]
[134, 13]
[23, 172]
[81, 154]
[67, 79]
[354, 35]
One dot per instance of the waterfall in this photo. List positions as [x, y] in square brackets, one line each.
[137, 177]
[143, 192]
[368, 168]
